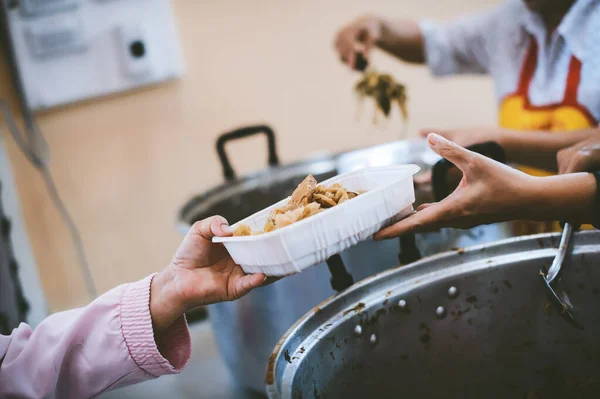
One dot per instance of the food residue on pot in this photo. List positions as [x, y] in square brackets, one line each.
[357, 309]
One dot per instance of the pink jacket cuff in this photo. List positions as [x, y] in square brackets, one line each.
[136, 324]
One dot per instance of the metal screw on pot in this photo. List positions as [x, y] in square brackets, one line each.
[440, 312]
[453, 292]
[402, 303]
[358, 331]
[373, 339]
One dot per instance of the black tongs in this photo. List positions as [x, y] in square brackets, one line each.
[360, 62]
[552, 281]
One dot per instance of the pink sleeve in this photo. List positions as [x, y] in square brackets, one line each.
[83, 352]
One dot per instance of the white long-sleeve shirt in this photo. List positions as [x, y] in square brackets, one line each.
[495, 42]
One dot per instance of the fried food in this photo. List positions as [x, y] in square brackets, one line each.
[324, 200]
[242, 230]
[385, 91]
[301, 195]
[308, 199]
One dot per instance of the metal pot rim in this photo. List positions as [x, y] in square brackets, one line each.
[427, 269]
[416, 148]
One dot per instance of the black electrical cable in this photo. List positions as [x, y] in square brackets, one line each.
[35, 148]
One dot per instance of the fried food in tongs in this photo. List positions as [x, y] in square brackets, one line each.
[307, 200]
[385, 91]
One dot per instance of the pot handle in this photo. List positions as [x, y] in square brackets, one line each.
[439, 173]
[340, 278]
[409, 252]
[243, 132]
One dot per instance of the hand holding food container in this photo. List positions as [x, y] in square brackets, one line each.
[319, 221]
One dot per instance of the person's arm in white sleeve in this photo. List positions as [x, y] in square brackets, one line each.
[463, 45]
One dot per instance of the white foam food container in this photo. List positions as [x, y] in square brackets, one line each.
[388, 198]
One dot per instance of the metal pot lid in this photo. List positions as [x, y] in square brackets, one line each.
[450, 284]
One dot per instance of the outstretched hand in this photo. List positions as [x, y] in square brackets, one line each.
[201, 273]
[488, 192]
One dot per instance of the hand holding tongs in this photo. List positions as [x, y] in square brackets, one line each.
[560, 298]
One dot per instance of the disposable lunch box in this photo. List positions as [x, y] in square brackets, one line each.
[388, 197]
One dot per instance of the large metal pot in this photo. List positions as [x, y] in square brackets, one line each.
[246, 330]
[476, 323]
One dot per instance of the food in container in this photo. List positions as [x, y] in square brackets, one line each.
[307, 200]
[387, 195]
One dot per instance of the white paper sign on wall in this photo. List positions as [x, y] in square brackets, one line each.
[74, 50]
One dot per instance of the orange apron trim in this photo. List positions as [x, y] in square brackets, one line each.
[517, 113]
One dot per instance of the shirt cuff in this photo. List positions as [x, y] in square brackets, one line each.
[136, 326]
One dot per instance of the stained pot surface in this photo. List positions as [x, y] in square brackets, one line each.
[468, 324]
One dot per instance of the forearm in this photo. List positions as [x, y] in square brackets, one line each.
[83, 352]
[538, 148]
[402, 39]
[569, 198]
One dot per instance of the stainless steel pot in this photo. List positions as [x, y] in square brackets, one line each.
[247, 329]
[470, 324]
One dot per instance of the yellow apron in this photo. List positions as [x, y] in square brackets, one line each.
[517, 113]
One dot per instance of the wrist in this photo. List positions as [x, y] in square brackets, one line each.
[567, 198]
[165, 305]
[528, 195]
[381, 31]
[505, 138]
[517, 148]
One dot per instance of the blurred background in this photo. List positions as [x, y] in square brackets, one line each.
[125, 163]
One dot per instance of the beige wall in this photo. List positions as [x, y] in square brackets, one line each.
[125, 164]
